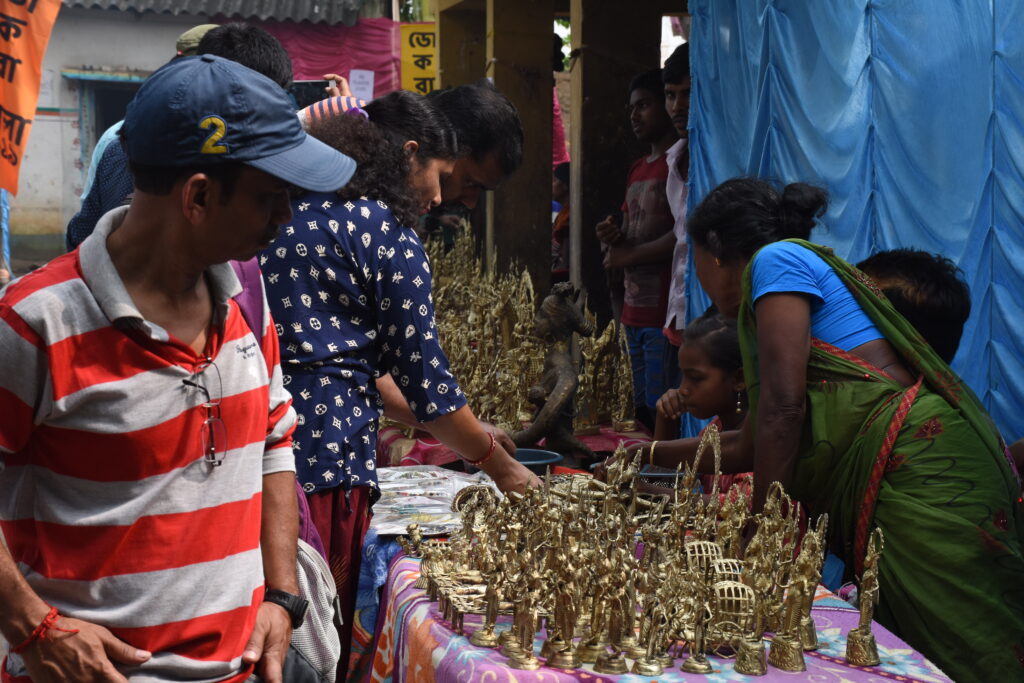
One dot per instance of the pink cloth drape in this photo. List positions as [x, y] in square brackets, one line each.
[558, 151]
[316, 49]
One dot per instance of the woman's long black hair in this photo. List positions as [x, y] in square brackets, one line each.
[402, 115]
[382, 166]
[744, 214]
[382, 169]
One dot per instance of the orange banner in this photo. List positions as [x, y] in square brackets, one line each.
[25, 27]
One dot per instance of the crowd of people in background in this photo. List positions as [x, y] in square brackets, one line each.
[831, 379]
[215, 418]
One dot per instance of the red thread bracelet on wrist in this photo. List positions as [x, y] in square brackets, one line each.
[490, 452]
[48, 623]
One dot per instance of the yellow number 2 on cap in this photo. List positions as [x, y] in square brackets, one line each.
[211, 144]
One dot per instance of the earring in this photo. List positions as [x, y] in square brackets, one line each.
[739, 402]
[718, 262]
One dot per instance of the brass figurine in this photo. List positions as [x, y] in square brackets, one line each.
[413, 544]
[614, 573]
[559, 318]
[808, 567]
[787, 651]
[861, 647]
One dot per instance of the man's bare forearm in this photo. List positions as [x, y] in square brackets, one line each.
[658, 250]
[21, 610]
[736, 455]
[280, 531]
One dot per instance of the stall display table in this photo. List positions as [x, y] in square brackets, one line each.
[395, 448]
[414, 644]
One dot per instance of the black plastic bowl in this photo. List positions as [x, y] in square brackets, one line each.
[538, 460]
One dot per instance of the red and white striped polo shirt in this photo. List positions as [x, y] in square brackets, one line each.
[106, 502]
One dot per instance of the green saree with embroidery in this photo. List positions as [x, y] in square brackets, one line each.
[927, 466]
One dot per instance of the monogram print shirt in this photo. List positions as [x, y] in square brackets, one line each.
[349, 290]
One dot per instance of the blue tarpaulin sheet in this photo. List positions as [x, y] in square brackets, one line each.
[911, 114]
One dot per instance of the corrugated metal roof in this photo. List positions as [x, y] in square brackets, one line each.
[315, 11]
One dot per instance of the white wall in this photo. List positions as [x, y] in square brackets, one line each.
[53, 169]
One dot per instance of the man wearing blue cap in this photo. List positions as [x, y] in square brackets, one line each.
[147, 489]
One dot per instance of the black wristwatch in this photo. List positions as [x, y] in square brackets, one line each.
[293, 604]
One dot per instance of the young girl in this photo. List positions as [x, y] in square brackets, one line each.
[712, 388]
[712, 384]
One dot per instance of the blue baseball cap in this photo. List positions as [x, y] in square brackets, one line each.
[203, 110]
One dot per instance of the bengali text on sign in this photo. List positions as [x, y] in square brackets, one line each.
[419, 57]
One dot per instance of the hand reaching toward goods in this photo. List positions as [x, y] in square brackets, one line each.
[510, 475]
[501, 436]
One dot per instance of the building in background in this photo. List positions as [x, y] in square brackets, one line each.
[102, 50]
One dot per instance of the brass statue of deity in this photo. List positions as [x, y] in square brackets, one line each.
[615, 574]
[861, 647]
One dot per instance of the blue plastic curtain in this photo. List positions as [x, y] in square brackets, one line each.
[911, 114]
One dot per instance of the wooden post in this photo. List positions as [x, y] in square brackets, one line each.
[519, 37]
[612, 47]
[461, 44]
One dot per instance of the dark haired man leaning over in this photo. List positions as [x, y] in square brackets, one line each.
[490, 140]
[147, 487]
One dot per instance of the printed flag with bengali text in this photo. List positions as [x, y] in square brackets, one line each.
[25, 27]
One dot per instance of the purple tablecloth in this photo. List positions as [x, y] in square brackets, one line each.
[414, 644]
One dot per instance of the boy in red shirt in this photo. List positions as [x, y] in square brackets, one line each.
[643, 246]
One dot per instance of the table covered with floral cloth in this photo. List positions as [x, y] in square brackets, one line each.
[415, 644]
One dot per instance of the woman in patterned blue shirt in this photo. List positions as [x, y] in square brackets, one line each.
[349, 286]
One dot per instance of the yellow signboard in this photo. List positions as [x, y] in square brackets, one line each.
[419, 57]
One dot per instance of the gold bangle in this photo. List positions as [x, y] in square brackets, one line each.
[650, 453]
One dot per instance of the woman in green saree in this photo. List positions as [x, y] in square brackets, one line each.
[858, 417]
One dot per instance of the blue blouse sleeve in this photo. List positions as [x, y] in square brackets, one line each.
[398, 273]
[784, 267]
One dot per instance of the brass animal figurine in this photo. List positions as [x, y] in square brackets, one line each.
[560, 316]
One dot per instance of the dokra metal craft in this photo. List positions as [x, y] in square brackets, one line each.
[614, 573]
[488, 323]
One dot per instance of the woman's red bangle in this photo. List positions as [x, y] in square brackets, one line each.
[490, 452]
[48, 623]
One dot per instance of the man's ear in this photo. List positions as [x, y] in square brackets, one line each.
[410, 148]
[196, 196]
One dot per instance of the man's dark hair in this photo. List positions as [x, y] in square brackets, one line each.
[402, 115]
[250, 46]
[927, 290]
[649, 81]
[677, 66]
[160, 180]
[485, 121]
